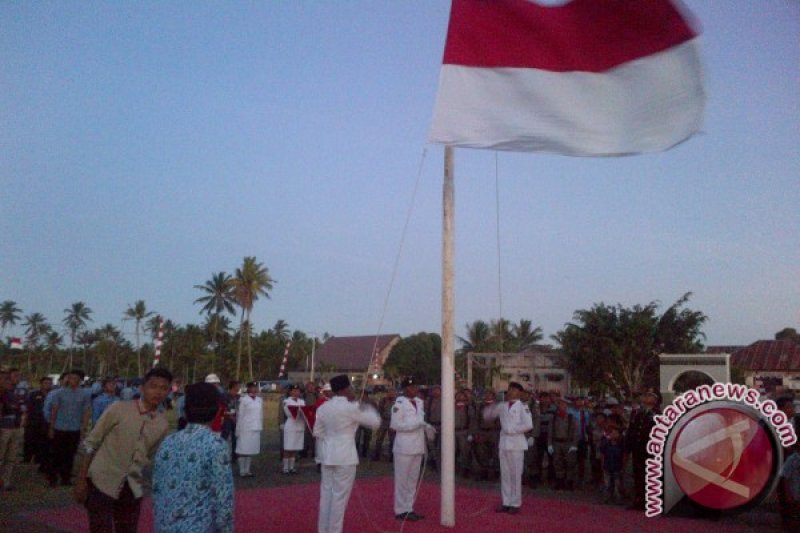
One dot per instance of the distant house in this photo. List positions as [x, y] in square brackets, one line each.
[356, 356]
[539, 369]
[769, 365]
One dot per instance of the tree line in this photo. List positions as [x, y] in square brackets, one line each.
[605, 347]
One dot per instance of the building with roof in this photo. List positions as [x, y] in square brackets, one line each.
[539, 369]
[357, 356]
[770, 365]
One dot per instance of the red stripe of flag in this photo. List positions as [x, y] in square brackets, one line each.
[582, 35]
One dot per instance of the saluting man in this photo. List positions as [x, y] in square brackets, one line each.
[408, 421]
[334, 430]
[515, 421]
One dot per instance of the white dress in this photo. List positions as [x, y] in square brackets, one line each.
[249, 423]
[294, 429]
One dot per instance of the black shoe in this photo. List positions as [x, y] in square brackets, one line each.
[53, 482]
[513, 510]
[413, 517]
[66, 483]
[401, 516]
[502, 509]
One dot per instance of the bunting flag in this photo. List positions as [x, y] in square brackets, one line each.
[159, 341]
[585, 77]
[282, 371]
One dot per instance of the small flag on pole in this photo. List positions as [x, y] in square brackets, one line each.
[584, 78]
[16, 343]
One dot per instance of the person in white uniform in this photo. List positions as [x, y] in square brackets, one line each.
[515, 421]
[293, 429]
[334, 430]
[249, 423]
[408, 421]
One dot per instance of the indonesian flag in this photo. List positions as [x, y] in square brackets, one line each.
[584, 78]
[310, 415]
[16, 343]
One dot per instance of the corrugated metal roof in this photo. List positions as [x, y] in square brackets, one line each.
[769, 356]
[353, 353]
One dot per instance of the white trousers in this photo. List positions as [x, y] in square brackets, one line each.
[511, 462]
[406, 477]
[334, 493]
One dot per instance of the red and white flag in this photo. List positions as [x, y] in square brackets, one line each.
[584, 78]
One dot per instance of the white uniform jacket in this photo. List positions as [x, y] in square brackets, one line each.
[335, 428]
[293, 425]
[408, 420]
[515, 421]
[250, 414]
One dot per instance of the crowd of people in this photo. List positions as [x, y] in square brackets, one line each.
[118, 431]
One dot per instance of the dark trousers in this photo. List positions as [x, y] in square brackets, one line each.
[639, 461]
[383, 430]
[363, 438]
[107, 515]
[62, 454]
[35, 444]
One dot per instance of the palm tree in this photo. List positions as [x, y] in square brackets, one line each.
[75, 321]
[108, 339]
[477, 339]
[524, 336]
[281, 330]
[138, 312]
[9, 315]
[500, 333]
[251, 280]
[36, 326]
[218, 297]
[53, 341]
[217, 327]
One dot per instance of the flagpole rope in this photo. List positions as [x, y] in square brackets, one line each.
[499, 269]
[393, 276]
[374, 355]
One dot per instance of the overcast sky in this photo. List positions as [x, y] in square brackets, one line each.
[145, 145]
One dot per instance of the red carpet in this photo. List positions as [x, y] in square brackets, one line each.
[293, 509]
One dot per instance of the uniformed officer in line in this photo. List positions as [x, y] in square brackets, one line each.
[485, 440]
[642, 421]
[408, 421]
[385, 410]
[433, 414]
[335, 428]
[542, 416]
[515, 421]
[464, 427]
[562, 444]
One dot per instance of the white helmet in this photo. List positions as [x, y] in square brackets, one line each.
[212, 378]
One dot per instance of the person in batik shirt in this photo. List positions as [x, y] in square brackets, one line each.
[192, 475]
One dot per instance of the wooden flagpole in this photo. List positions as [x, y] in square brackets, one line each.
[448, 518]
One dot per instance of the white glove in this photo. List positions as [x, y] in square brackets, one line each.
[573, 449]
[430, 432]
[550, 450]
[530, 441]
[469, 438]
[280, 426]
